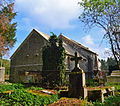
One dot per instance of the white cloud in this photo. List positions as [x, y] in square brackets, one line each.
[88, 40]
[55, 14]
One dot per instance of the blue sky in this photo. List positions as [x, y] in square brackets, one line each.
[58, 16]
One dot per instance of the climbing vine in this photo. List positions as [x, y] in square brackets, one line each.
[54, 57]
[61, 61]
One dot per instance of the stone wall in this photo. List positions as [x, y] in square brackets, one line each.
[51, 78]
[28, 56]
[89, 65]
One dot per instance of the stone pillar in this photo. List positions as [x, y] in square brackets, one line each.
[2, 74]
[77, 84]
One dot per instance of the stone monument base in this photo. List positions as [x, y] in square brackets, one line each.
[114, 77]
[2, 74]
[79, 93]
[77, 85]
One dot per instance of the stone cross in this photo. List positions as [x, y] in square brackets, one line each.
[76, 59]
[77, 80]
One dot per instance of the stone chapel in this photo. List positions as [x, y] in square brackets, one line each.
[26, 62]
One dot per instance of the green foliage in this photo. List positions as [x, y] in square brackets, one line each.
[54, 56]
[110, 101]
[115, 84]
[20, 97]
[6, 64]
[49, 54]
[35, 88]
[10, 87]
[110, 64]
[111, 61]
[98, 104]
[91, 83]
[104, 65]
[61, 62]
[7, 25]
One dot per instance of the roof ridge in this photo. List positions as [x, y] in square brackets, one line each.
[43, 34]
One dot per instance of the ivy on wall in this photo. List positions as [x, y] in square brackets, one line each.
[54, 57]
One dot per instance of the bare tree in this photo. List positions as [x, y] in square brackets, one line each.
[104, 14]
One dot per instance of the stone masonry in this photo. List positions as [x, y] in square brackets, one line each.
[28, 58]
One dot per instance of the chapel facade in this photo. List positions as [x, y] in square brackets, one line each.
[26, 62]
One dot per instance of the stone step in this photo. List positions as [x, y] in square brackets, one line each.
[115, 73]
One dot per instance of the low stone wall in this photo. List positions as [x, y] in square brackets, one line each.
[114, 77]
[98, 93]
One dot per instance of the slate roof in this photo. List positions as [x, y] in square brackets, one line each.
[68, 49]
[76, 43]
[43, 34]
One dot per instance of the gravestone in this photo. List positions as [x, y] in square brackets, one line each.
[2, 74]
[77, 80]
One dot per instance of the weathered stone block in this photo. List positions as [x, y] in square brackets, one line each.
[98, 94]
[77, 85]
[114, 77]
[2, 74]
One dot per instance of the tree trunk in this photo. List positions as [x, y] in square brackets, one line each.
[112, 48]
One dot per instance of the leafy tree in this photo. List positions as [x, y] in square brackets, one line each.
[104, 65]
[2, 49]
[104, 14]
[109, 64]
[111, 61]
[7, 26]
